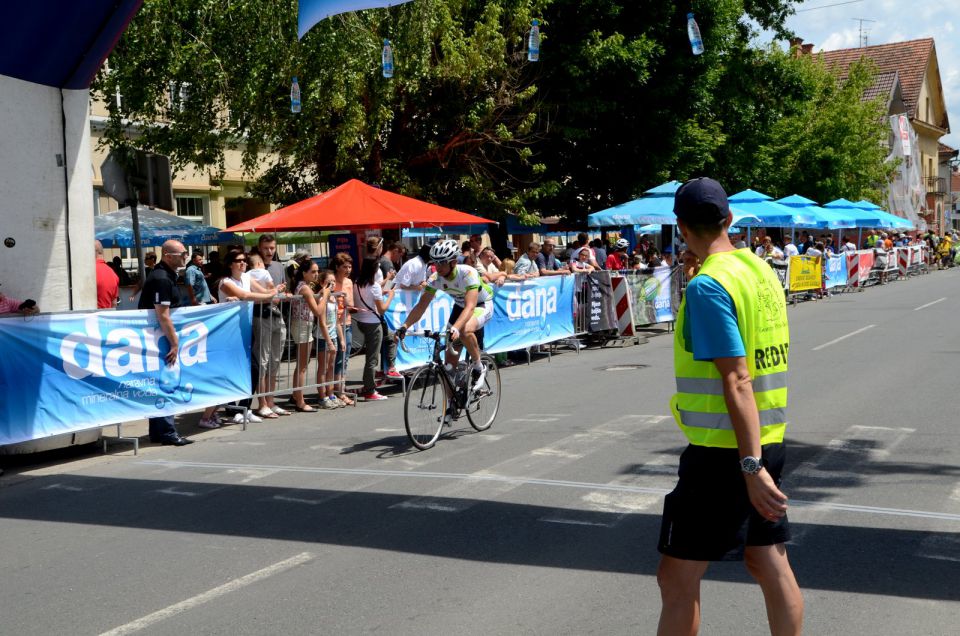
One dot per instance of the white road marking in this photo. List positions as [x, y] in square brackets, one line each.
[575, 522]
[955, 495]
[555, 483]
[209, 595]
[940, 547]
[63, 487]
[836, 340]
[388, 430]
[428, 505]
[299, 500]
[555, 452]
[548, 414]
[534, 419]
[938, 300]
[181, 493]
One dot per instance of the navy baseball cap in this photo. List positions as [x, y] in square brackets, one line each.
[701, 200]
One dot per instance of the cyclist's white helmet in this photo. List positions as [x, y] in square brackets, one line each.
[622, 244]
[444, 251]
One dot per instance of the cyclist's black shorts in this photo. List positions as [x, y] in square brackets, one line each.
[455, 315]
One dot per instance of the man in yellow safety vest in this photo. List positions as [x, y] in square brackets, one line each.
[731, 346]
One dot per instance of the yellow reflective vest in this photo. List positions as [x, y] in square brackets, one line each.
[698, 406]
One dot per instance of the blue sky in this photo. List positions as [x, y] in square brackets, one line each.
[834, 27]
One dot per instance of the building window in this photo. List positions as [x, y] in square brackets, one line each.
[192, 206]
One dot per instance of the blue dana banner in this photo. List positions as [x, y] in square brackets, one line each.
[529, 313]
[434, 319]
[835, 271]
[62, 373]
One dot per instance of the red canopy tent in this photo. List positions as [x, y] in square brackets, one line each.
[356, 206]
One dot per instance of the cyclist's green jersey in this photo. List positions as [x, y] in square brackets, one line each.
[462, 279]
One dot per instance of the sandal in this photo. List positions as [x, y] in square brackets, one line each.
[306, 408]
[280, 411]
[267, 414]
[346, 401]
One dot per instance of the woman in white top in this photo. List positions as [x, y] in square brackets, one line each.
[581, 263]
[236, 285]
[371, 304]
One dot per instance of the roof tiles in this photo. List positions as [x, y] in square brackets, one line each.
[908, 59]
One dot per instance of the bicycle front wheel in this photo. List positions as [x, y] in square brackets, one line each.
[424, 407]
[483, 401]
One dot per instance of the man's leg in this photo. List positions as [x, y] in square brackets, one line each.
[679, 582]
[470, 341]
[162, 428]
[768, 564]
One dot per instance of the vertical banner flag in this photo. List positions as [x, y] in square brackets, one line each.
[598, 294]
[805, 273]
[835, 271]
[652, 296]
[529, 313]
[63, 373]
[312, 11]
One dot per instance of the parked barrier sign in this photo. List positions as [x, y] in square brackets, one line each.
[835, 272]
[805, 273]
[63, 373]
[652, 294]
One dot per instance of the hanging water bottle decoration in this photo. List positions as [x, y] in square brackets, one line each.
[533, 42]
[387, 59]
[693, 32]
[295, 96]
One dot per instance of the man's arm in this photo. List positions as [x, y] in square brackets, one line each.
[189, 280]
[425, 299]
[166, 325]
[768, 500]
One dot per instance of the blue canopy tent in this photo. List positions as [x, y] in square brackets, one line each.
[822, 217]
[115, 229]
[894, 222]
[863, 217]
[313, 11]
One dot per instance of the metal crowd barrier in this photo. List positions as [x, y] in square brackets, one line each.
[278, 358]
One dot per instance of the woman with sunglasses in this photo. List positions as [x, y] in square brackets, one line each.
[236, 285]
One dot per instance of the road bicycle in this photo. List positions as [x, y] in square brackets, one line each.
[435, 392]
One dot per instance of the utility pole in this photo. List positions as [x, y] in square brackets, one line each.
[863, 34]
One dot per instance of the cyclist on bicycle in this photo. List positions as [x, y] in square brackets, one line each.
[473, 304]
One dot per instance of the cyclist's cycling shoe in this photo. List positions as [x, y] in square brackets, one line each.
[479, 375]
[450, 415]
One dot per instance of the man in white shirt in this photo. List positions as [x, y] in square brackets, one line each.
[789, 249]
[413, 275]
[848, 245]
[527, 264]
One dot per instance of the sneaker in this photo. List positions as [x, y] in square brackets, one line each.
[393, 374]
[479, 375]
[334, 401]
[372, 396]
[211, 423]
[238, 418]
[327, 405]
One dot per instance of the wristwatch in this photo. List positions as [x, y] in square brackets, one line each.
[751, 465]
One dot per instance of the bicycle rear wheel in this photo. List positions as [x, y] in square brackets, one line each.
[484, 402]
[424, 407]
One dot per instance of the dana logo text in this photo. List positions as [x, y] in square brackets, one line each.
[123, 350]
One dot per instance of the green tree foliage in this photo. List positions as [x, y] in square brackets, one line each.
[616, 105]
[835, 144]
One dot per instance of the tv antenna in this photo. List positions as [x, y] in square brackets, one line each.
[863, 33]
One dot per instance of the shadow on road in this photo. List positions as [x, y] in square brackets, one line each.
[837, 558]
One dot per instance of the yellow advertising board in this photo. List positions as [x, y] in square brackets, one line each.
[806, 273]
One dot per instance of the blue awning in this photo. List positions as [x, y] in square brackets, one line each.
[313, 11]
[115, 229]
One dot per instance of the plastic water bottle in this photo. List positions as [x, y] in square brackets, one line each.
[693, 32]
[387, 58]
[295, 96]
[533, 42]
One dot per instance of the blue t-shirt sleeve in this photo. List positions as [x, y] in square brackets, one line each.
[710, 325]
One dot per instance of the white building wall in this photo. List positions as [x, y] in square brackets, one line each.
[40, 199]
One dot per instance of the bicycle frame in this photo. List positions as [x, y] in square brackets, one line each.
[439, 365]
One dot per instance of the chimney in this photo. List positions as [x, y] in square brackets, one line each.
[795, 46]
[807, 49]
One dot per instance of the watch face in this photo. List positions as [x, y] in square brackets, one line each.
[750, 465]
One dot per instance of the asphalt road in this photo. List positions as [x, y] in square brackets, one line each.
[329, 523]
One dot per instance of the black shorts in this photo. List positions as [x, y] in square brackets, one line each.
[708, 516]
